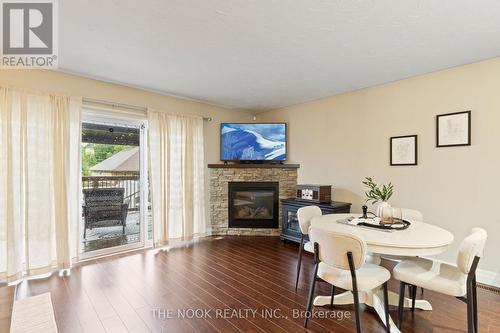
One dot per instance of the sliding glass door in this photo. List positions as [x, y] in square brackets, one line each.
[115, 200]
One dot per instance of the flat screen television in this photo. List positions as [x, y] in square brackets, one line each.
[253, 142]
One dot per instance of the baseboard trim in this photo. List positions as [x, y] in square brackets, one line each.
[488, 280]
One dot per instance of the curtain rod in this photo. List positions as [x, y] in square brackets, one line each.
[123, 106]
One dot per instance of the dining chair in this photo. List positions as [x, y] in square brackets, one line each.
[454, 280]
[412, 215]
[305, 215]
[409, 215]
[339, 259]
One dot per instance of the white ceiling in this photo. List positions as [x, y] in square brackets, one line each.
[263, 54]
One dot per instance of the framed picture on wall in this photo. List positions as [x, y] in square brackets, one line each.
[403, 150]
[453, 129]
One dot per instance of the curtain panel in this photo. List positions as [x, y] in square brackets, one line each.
[177, 181]
[39, 181]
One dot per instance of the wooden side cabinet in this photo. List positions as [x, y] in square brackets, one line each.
[290, 224]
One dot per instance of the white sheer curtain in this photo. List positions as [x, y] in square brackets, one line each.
[39, 182]
[177, 182]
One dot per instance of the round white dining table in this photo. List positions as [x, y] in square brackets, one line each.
[418, 240]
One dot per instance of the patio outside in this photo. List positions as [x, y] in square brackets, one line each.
[111, 187]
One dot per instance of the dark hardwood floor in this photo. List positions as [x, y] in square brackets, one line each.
[123, 293]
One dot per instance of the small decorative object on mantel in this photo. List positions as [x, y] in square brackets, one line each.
[315, 193]
[453, 129]
[378, 194]
[403, 150]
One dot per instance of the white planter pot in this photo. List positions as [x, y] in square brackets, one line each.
[380, 206]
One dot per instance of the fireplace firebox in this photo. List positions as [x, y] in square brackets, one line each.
[253, 204]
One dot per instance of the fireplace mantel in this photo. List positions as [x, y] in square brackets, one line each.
[253, 166]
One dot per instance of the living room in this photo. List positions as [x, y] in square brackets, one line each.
[231, 166]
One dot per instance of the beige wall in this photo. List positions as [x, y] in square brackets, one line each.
[78, 86]
[342, 139]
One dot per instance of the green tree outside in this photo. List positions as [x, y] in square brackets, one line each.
[94, 153]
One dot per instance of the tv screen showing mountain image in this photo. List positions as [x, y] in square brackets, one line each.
[253, 142]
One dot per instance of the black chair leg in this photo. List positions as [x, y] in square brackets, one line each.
[410, 290]
[355, 294]
[401, 303]
[470, 309]
[299, 261]
[311, 295]
[386, 307]
[356, 310]
[474, 303]
[413, 297]
[333, 296]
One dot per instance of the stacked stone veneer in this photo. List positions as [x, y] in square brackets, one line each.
[219, 198]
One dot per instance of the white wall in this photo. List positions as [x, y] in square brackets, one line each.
[342, 139]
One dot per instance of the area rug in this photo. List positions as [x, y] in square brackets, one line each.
[33, 315]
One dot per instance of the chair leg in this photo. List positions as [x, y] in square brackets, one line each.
[474, 303]
[401, 303]
[356, 309]
[386, 307]
[413, 297]
[333, 296]
[410, 290]
[299, 261]
[354, 290]
[311, 295]
[84, 232]
[470, 309]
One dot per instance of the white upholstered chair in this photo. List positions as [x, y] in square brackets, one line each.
[409, 215]
[458, 281]
[339, 259]
[412, 215]
[305, 215]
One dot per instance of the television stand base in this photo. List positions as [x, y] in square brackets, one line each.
[252, 162]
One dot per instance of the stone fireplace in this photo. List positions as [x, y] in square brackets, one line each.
[245, 198]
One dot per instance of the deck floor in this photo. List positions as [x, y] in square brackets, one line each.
[106, 237]
[121, 293]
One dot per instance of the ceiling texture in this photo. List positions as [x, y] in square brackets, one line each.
[263, 54]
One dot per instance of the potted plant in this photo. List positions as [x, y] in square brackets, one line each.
[378, 193]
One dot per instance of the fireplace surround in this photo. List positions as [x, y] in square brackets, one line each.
[221, 175]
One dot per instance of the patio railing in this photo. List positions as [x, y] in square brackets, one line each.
[129, 183]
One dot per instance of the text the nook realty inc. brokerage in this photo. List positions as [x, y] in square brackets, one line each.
[228, 313]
